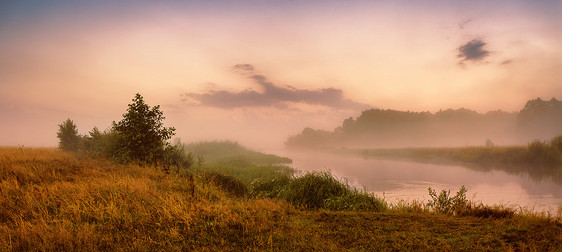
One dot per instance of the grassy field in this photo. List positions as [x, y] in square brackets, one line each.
[53, 200]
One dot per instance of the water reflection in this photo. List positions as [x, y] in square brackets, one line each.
[400, 180]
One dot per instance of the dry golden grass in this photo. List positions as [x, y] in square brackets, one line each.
[52, 200]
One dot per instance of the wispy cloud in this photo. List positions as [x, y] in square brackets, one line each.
[243, 67]
[465, 22]
[473, 51]
[272, 95]
[506, 62]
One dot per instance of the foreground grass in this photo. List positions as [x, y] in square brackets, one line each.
[52, 200]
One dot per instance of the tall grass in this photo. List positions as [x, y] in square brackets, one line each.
[316, 190]
[52, 200]
[233, 166]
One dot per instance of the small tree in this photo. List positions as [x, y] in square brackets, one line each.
[142, 135]
[489, 143]
[69, 140]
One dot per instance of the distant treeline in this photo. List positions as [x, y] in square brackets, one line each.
[539, 119]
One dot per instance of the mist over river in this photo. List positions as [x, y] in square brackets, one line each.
[401, 180]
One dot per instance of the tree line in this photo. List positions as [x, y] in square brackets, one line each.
[539, 119]
[139, 137]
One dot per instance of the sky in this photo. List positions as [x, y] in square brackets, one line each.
[258, 71]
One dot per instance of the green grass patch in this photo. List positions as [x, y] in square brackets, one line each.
[228, 151]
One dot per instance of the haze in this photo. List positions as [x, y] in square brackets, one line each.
[259, 71]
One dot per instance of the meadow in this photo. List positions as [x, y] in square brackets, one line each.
[56, 200]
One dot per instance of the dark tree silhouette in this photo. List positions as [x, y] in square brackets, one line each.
[69, 140]
[143, 136]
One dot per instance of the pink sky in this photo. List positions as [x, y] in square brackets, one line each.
[258, 71]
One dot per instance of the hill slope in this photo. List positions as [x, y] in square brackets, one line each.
[52, 200]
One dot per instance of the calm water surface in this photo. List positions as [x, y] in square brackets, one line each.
[399, 180]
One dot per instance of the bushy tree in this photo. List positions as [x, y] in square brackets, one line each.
[101, 144]
[142, 135]
[176, 155]
[69, 140]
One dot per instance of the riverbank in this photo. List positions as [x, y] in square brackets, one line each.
[53, 200]
[538, 160]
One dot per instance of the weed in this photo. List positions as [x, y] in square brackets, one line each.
[445, 204]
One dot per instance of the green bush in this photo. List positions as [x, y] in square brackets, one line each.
[102, 144]
[176, 156]
[313, 189]
[322, 190]
[445, 204]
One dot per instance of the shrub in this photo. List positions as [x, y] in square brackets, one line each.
[176, 156]
[445, 204]
[103, 144]
[313, 189]
[322, 190]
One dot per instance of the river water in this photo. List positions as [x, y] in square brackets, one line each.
[400, 180]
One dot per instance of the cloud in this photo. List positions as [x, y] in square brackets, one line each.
[272, 96]
[473, 51]
[463, 23]
[506, 62]
[243, 67]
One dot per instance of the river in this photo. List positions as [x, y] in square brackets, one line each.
[400, 180]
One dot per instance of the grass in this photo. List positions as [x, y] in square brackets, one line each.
[53, 200]
[241, 171]
[539, 160]
[228, 151]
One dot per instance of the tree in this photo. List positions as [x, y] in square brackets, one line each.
[489, 143]
[142, 135]
[69, 140]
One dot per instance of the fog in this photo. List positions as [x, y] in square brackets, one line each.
[377, 128]
[258, 72]
[302, 75]
[400, 180]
